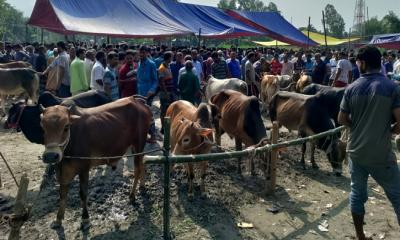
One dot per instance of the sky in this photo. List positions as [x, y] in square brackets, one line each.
[295, 11]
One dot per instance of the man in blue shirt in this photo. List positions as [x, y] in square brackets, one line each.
[110, 80]
[147, 83]
[175, 67]
[367, 108]
[234, 66]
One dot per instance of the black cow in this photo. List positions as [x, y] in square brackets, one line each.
[330, 98]
[309, 116]
[27, 118]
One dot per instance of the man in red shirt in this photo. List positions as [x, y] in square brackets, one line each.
[127, 75]
[276, 66]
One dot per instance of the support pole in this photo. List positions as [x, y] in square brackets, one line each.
[308, 32]
[166, 214]
[271, 182]
[324, 23]
[41, 35]
[26, 33]
[20, 211]
[199, 44]
[108, 40]
[349, 39]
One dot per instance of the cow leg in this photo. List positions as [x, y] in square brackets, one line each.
[303, 152]
[83, 192]
[204, 166]
[314, 164]
[63, 204]
[3, 104]
[218, 134]
[190, 173]
[238, 144]
[137, 172]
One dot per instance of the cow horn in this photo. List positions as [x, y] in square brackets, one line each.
[41, 108]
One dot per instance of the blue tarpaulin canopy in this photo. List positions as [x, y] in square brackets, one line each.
[274, 25]
[158, 18]
[212, 21]
[389, 41]
[124, 18]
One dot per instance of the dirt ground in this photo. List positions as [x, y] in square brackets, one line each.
[310, 204]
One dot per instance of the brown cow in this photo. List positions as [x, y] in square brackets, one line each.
[239, 116]
[191, 133]
[308, 115]
[18, 64]
[15, 81]
[271, 84]
[104, 131]
[303, 82]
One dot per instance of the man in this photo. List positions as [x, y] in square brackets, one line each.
[343, 71]
[20, 55]
[89, 62]
[389, 64]
[396, 65]
[97, 75]
[52, 82]
[276, 66]
[175, 67]
[110, 80]
[167, 89]
[219, 68]
[319, 70]
[287, 66]
[79, 83]
[250, 74]
[197, 64]
[147, 83]
[32, 56]
[40, 66]
[234, 67]
[367, 109]
[189, 87]
[309, 64]
[60, 65]
[127, 74]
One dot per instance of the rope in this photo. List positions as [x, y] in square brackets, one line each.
[9, 169]
[114, 157]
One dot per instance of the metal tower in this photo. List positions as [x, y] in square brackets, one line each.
[359, 17]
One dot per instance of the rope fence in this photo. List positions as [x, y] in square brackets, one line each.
[166, 159]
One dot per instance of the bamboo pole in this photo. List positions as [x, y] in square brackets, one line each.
[235, 154]
[324, 23]
[166, 209]
[20, 212]
[308, 32]
[271, 183]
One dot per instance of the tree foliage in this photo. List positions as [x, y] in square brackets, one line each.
[248, 5]
[12, 23]
[334, 21]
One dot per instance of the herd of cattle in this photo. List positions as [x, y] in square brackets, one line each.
[88, 130]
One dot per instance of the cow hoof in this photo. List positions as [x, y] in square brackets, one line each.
[85, 224]
[56, 224]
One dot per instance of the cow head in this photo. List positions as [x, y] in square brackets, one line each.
[336, 152]
[303, 82]
[193, 139]
[56, 122]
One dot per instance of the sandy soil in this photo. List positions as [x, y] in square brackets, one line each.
[305, 201]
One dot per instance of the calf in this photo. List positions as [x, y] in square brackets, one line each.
[309, 116]
[214, 86]
[191, 133]
[92, 137]
[16, 81]
[239, 116]
[27, 118]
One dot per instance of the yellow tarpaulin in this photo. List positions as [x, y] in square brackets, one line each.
[316, 37]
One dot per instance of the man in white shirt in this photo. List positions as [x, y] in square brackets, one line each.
[343, 72]
[197, 65]
[396, 65]
[97, 74]
[89, 62]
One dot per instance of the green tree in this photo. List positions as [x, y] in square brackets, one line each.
[312, 29]
[373, 26]
[248, 5]
[334, 21]
[227, 4]
[391, 23]
[272, 7]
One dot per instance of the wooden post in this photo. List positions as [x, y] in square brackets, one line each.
[20, 210]
[199, 43]
[323, 21]
[271, 182]
[166, 214]
[41, 35]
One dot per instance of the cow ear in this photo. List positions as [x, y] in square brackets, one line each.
[204, 132]
[41, 108]
[74, 118]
